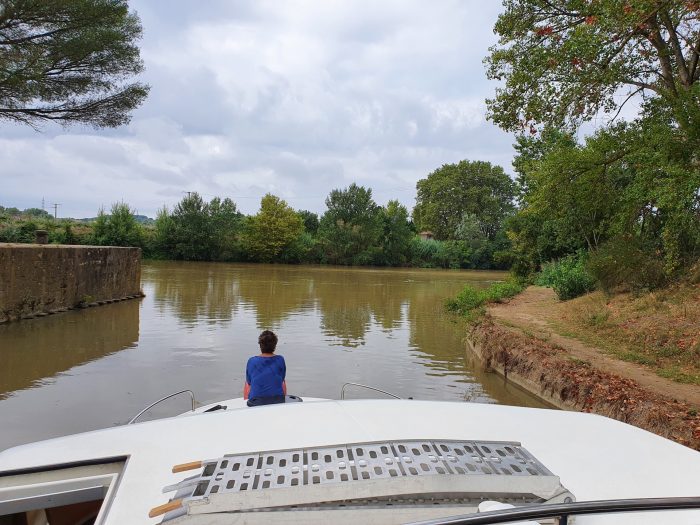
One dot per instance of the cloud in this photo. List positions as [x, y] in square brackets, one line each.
[294, 98]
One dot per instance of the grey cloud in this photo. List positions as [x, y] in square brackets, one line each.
[294, 98]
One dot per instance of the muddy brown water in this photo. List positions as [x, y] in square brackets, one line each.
[198, 324]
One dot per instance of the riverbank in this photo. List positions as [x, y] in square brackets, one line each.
[531, 340]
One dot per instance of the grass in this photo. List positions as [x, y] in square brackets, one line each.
[470, 303]
[660, 329]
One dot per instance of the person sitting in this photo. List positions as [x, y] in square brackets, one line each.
[265, 374]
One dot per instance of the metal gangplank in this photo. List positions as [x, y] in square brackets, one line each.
[387, 482]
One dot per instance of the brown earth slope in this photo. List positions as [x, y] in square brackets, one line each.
[537, 312]
[542, 342]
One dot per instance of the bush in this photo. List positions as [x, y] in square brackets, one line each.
[567, 276]
[423, 252]
[505, 290]
[470, 301]
[440, 254]
[300, 251]
[625, 264]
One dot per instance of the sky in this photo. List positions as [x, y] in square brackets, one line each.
[293, 98]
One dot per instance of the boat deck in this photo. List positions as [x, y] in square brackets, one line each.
[594, 457]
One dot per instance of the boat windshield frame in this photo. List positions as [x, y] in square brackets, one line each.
[563, 511]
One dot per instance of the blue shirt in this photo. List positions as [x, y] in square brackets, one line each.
[265, 376]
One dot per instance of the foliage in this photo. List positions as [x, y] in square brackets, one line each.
[423, 251]
[37, 213]
[567, 276]
[119, 228]
[350, 229]
[8, 212]
[565, 61]
[197, 230]
[310, 221]
[439, 254]
[20, 232]
[624, 264]
[478, 190]
[272, 230]
[396, 235]
[67, 61]
[637, 179]
[303, 249]
[225, 224]
[354, 230]
[470, 301]
[535, 236]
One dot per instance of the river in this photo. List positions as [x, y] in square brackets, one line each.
[198, 324]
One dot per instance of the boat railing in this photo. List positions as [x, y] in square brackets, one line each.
[563, 511]
[342, 390]
[133, 420]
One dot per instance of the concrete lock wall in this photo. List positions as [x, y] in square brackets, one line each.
[37, 279]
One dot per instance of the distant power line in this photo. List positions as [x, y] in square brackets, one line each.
[55, 209]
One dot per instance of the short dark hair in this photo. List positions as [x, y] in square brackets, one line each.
[267, 341]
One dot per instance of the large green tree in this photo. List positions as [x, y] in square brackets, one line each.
[310, 220]
[563, 61]
[351, 227]
[396, 234]
[69, 61]
[633, 181]
[275, 227]
[475, 188]
[197, 230]
[535, 236]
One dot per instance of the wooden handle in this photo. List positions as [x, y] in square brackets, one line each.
[182, 467]
[166, 507]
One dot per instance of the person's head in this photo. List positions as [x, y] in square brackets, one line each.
[267, 341]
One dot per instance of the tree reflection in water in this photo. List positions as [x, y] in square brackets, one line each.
[194, 291]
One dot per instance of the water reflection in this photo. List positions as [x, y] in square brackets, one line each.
[35, 351]
[275, 293]
[194, 292]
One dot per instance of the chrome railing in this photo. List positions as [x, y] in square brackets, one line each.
[342, 390]
[563, 511]
[133, 420]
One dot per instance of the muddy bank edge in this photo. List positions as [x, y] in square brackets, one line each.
[549, 372]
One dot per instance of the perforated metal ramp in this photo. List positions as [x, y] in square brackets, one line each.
[366, 475]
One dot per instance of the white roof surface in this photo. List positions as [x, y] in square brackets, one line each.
[595, 457]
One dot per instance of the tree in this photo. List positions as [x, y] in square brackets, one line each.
[396, 235]
[310, 220]
[10, 212]
[199, 231]
[563, 61]
[272, 229]
[634, 182]
[225, 223]
[453, 190]
[119, 228]
[37, 213]
[350, 228]
[68, 61]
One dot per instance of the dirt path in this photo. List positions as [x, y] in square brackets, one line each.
[535, 310]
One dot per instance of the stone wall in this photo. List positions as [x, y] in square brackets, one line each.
[38, 280]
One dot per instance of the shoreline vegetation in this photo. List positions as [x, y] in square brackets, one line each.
[353, 230]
